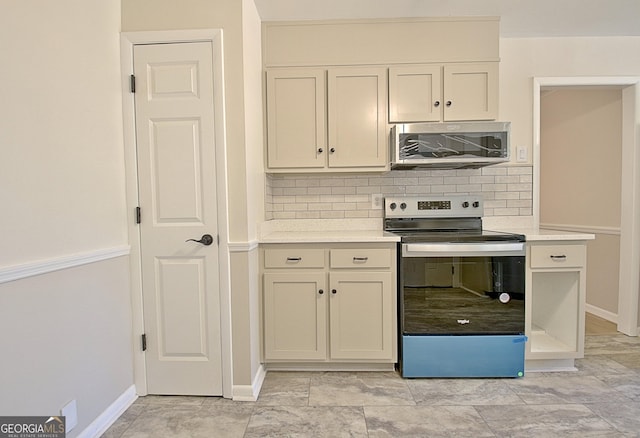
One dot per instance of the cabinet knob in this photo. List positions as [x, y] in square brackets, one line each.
[449, 103]
[320, 150]
[436, 103]
[332, 150]
[321, 291]
[333, 291]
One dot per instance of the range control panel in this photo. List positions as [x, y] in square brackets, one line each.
[433, 206]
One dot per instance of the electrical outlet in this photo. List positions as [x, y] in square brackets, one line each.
[522, 154]
[376, 201]
[70, 412]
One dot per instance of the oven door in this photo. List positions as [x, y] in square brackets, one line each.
[462, 288]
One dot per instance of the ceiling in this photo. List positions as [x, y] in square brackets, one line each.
[519, 18]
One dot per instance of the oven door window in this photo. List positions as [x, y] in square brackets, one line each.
[462, 295]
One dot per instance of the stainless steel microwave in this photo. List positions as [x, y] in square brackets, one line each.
[449, 145]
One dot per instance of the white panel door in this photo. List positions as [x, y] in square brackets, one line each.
[177, 196]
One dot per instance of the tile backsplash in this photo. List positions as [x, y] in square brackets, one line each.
[507, 191]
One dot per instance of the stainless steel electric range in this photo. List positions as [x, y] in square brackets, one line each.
[460, 289]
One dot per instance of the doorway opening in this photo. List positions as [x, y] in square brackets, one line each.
[586, 174]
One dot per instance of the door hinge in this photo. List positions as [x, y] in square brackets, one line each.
[132, 83]
[144, 342]
[138, 214]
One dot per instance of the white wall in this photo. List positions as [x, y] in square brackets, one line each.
[522, 59]
[61, 172]
[64, 335]
[253, 109]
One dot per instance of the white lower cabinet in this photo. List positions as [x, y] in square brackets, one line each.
[360, 315]
[556, 293]
[341, 312]
[295, 308]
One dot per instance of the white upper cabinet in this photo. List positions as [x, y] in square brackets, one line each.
[296, 118]
[470, 91]
[357, 122]
[334, 124]
[450, 92]
[333, 86]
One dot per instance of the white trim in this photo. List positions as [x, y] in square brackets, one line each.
[25, 270]
[250, 393]
[243, 246]
[127, 42]
[629, 283]
[582, 228]
[110, 415]
[604, 314]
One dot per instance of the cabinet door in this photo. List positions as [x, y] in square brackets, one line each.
[471, 91]
[357, 118]
[296, 118]
[415, 94]
[361, 315]
[295, 316]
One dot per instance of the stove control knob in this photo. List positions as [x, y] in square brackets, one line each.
[476, 204]
[465, 204]
[392, 206]
[403, 206]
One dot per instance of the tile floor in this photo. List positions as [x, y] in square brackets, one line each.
[600, 399]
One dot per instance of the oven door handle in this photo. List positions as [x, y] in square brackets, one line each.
[462, 249]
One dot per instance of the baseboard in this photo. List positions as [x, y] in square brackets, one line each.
[604, 314]
[250, 392]
[110, 415]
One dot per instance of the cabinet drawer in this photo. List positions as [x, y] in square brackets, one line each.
[361, 258]
[293, 258]
[558, 256]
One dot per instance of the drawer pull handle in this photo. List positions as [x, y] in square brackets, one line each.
[558, 257]
[294, 259]
[360, 259]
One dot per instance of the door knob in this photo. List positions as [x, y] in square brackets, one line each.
[206, 240]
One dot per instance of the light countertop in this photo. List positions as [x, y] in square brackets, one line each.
[325, 231]
[543, 235]
[329, 236]
[370, 230]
